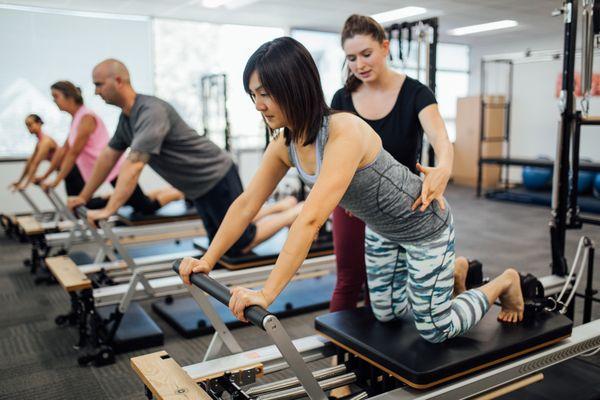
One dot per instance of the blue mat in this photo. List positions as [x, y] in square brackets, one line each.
[588, 204]
[175, 210]
[136, 330]
[154, 249]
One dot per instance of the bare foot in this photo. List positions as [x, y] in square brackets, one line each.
[461, 269]
[511, 299]
[285, 204]
[167, 195]
[340, 392]
[273, 208]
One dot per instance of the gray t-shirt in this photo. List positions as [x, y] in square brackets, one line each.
[186, 160]
[382, 194]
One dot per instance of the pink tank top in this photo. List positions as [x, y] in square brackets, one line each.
[97, 141]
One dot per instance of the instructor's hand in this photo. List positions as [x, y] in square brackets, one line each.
[435, 181]
[190, 266]
[242, 298]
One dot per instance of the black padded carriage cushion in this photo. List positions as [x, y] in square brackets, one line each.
[174, 211]
[266, 252]
[81, 258]
[397, 347]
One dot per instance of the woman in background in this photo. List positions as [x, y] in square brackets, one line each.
[45, 149]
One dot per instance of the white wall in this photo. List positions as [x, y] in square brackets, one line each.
[535, 114]
[39, 48]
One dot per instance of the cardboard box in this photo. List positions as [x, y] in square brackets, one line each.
[466, 146]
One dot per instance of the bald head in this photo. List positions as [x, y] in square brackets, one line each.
[113, 68]
[113, 84]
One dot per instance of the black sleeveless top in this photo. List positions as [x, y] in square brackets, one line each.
[400, 130]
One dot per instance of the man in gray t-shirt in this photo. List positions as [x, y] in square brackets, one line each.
[188, 161]
[158, 136]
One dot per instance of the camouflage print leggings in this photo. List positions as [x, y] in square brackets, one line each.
[423, 276]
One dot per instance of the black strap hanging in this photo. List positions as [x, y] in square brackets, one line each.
[400, 57]
[389, 32]
[409, 39]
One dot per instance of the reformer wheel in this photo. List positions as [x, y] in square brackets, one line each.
[105, 355]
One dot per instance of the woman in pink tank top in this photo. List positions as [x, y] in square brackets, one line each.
[87, 138]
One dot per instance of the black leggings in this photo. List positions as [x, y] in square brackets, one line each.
[213, 206]
[141, 203]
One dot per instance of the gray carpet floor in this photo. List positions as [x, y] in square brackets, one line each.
[37, 360]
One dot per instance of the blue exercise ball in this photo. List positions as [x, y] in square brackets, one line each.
[537, 178]
[585, 182]
[597, 186]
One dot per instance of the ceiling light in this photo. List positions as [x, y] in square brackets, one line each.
[213, 3]
[491, 26]
[229, 4]
[400, 13]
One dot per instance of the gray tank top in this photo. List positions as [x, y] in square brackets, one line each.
[382, 194]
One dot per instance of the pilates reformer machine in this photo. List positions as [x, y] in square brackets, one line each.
[61, 219]
[103, 295]
[565, 208]
[118, 246]
[572, 118]
[379, 360]
[110, 321]
[19, 225]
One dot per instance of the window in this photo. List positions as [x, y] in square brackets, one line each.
[452, 81]
[452, 78]
[185, 51]
[327, 52]
[452, 68]
[41, 46]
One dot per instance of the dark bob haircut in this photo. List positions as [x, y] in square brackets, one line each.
[289, 75]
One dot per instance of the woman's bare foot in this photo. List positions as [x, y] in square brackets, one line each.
[511, 298]
[277, 207]
[461, 269]
[340, 392]
[271, 224]
[286, 203]
[280, 206]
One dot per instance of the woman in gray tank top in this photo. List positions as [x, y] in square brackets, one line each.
[341, 158]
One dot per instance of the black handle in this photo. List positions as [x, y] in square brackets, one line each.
[254, 314]
[81, 212]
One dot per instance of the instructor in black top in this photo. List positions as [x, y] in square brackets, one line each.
[399, 109]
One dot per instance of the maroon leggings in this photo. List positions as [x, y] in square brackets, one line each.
[349, 247]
